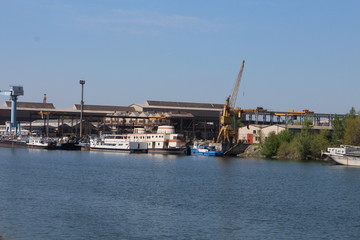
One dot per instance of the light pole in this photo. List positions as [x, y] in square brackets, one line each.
[82, 82]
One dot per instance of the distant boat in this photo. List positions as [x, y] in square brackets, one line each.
[67, 143]
[345, 155]
[40, 142]
[13, 142]
[110, 143]
[200, 148]
[164, 141]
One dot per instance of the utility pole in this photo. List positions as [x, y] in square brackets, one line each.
[82, 82]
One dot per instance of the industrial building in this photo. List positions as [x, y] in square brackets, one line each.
[258, 133]
[194, 120]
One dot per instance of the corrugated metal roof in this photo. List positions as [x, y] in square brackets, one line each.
[105, 108]
[184, 104]
[31, 105]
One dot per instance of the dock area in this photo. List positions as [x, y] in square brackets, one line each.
[194, 120]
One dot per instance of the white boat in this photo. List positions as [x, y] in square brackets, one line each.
[345, 155]
[110, 142]
[40, 142]
[165, 140]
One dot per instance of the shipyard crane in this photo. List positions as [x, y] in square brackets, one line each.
[14, 92]
[230, 114]
[234, 94]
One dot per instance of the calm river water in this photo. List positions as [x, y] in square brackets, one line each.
[96, 195]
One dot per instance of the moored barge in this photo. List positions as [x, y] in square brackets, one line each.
[164, 141]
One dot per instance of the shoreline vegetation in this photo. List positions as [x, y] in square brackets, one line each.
[308, 144]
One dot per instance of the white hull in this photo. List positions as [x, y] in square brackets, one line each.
[345, 155]
[38, 145]
[346, 160]
[110, 147]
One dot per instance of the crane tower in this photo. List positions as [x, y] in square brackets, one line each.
[229, 115]
[13, 128]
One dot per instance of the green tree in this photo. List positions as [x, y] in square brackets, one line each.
[319, 142]
[352, 131]
[338, 126]
[303, 140]
[351, 115]
[287, 150]
[307, 124]
[285, 136]
[303, 145]
[270, 145]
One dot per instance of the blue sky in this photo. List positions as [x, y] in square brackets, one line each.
[299, 54]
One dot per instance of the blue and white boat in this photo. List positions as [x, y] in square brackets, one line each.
[200, 148]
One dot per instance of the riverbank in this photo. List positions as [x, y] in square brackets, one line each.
[254, 151]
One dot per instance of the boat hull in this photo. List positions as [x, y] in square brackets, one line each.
[347, 160]
[22, 144]
[207, 153]
[109, 149]
[13, 144]
[48, 146]
[344, 155]
[176, 151]
[69, 146]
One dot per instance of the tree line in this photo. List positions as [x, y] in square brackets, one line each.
[307, 144]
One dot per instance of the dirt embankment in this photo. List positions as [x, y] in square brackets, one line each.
[252, 151]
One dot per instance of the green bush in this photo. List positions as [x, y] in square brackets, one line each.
[319, 142]
[271, 145]
[352, 132]
[287, 150]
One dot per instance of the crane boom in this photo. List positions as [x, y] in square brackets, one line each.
[236, 87]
